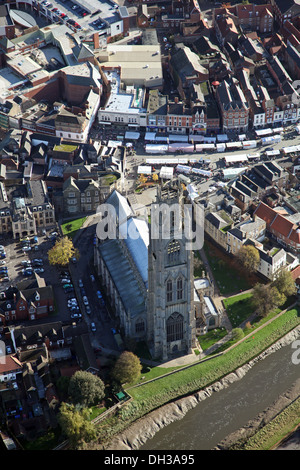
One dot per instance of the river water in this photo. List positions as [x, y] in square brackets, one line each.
[226, 411]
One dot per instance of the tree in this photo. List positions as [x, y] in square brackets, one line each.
[237, 334]
[62, 252]
[284, 282]
[75, 424]
[266, 298]
[86, 389]
[127, 368]
[248, 256]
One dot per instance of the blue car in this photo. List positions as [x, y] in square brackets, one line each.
[99, 295]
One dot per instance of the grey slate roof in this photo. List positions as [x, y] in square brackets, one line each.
[123, 277]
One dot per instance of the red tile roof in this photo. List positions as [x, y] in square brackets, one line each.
[282, 225]
[296, 273]
[9, 363]
[265, 212]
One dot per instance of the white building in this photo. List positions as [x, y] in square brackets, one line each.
[124, 106]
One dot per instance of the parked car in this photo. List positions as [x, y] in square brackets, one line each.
[69, 290]
[85, 300]
[8, 350]
[25, 262]
[67, 286]
[82, 291]
[99, 295]
[93, 327]
[2, 262]
[27, 272]
[92, 278]
[88, 309]
[65, 280]
[75, 316]
[26, 248]
[39, 270]
[80, 283]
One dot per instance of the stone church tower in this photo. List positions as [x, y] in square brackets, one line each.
[170, 303]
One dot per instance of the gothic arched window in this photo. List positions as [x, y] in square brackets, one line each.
[179, 288]
[173, 251]
[169, 291]
[140, 326]
[174, 327]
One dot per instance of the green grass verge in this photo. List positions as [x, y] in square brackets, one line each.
[70, 227]
[211, 337]
[275, 431]
[229, 279]
[239, 308]
[187, 381]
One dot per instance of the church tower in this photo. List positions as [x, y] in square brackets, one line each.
[170, 304]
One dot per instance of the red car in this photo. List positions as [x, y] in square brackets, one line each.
[62, 15]
[54, 9]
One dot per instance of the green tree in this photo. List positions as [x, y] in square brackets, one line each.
[86, 389]
[75, 425]
[265, 298]
[62, 384]
[284, 282]
[237, 334]
[248, 256]
[61, 253]
[127, 369]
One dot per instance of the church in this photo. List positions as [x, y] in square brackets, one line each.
[148, 276]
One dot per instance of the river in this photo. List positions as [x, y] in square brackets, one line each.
[226, 411]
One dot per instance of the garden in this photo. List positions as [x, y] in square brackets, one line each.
[229, 276]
